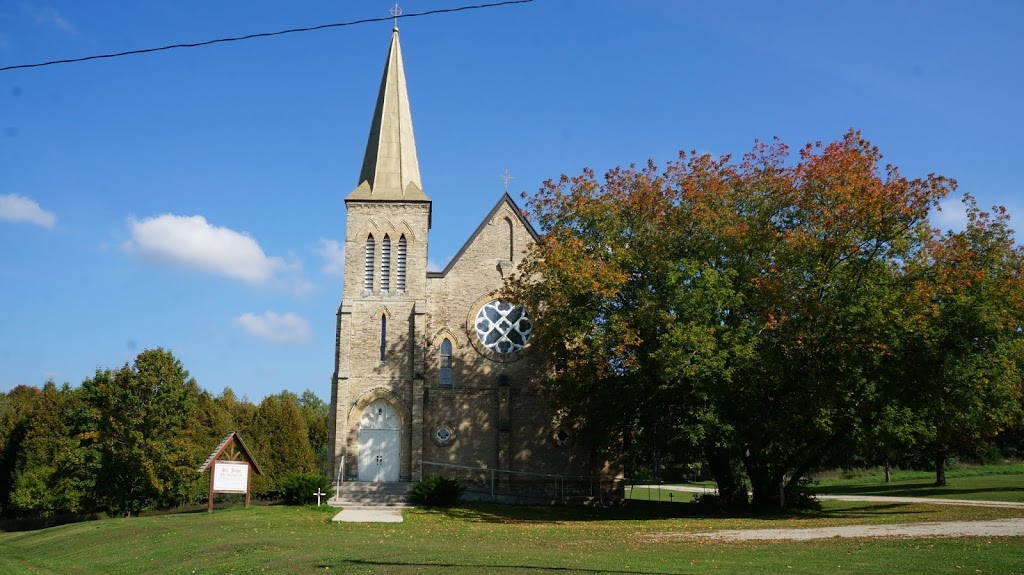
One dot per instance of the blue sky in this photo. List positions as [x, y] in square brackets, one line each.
[193, 199]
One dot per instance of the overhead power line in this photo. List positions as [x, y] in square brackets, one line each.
[260, 35]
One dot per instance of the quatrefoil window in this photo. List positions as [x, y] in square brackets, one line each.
[503, 327]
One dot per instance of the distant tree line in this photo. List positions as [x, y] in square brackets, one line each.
[773, 316]
[131, 439]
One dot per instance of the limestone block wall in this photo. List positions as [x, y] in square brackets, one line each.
[479, 376]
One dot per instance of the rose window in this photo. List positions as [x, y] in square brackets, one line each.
[503, 327]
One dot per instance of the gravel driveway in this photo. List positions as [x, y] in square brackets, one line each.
[989, 528]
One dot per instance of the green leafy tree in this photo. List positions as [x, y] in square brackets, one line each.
[280, 443]
[745, 309]
[58, 461]
[143, 412]
[316, 414]
[16, 411]
[967, 365]
[241, 412]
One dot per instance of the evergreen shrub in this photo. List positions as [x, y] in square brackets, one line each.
[298, 488]
[436, 491]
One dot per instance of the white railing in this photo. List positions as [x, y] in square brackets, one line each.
[341, 476]
[531, 485]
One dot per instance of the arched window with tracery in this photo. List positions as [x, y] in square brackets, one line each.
[371, 247]
[445, 357]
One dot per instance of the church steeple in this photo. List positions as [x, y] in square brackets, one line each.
[390, 168]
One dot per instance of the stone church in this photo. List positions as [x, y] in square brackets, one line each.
[432, 367]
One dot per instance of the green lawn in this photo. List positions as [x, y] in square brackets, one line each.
[992, 482]
[986, 482]
[496, 540]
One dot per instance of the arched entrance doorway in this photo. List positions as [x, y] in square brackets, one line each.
[378, 442]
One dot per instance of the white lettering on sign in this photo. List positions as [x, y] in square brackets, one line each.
[230, 477]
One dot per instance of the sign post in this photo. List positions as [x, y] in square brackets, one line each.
[231, 466]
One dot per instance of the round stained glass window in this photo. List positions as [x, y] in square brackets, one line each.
[503, 327]
[444, 434]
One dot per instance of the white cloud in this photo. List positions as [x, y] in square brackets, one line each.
[192, 242]
[333, 253]
[287, 328]
[951, 215]
[47, 15]
[433, 267]
[15, 208]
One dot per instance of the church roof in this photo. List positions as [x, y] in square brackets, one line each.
[391, 171]
[504, 200]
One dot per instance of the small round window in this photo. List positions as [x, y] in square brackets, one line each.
[503, 327]
[562, 437]
[444, 434]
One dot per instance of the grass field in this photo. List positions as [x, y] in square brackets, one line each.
[496, 540]
[992, 482]
[984, 482]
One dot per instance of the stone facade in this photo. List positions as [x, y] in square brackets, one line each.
[413, 381]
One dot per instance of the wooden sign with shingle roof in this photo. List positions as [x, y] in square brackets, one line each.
[231, 467]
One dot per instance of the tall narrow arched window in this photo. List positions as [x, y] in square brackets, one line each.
[383, 335]
[371, 247]
[401, 264]
[511, 243]
[385, 264]
[445, 357]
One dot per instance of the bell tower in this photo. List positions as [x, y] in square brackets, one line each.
[380, 319]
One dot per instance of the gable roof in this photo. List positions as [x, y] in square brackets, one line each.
[223, 445]
[505, 199]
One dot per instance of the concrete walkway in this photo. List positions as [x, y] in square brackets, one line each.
[370, 514]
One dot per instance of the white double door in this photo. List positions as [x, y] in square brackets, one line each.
[379, 443]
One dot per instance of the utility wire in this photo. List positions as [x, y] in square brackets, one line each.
[260, 35]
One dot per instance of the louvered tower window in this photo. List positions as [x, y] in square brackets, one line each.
[401, 263]
[371, 247]
[385, 264]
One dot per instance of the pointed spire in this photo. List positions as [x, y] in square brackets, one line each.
[390, 168]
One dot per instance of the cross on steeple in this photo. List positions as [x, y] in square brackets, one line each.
[396, 11]
[506, 177]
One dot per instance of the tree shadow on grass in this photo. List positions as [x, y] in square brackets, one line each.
[501, 513]
[920, 489]
[480, 567]
[642, 510]
[871, 510]
[17, 525]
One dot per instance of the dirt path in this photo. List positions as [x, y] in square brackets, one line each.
[988, 528]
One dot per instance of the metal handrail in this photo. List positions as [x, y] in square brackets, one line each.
[559, 480]
[341, 476]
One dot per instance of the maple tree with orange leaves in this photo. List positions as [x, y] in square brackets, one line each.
[747, 313]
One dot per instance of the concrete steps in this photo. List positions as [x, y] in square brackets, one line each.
[358, 494]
